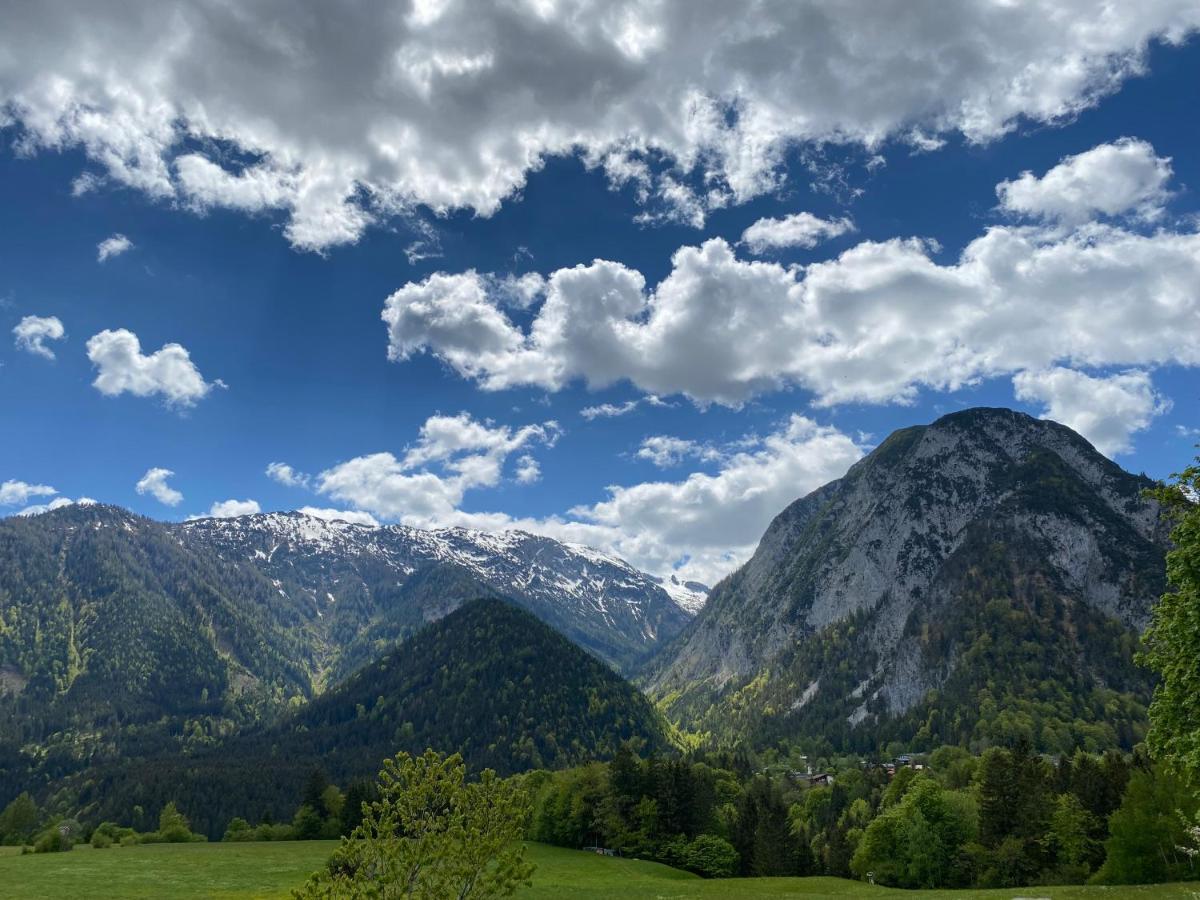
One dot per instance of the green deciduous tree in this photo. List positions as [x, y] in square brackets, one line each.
[173, 826]
[19, 820]
[431, 835]
[1150, 831]
[918, 842]
[1172, 642]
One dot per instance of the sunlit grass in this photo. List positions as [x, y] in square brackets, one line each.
[270, 870]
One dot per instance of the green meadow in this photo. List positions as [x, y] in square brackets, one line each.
[270, 870]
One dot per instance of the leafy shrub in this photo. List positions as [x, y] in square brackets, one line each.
[711, 856]
[53, 840]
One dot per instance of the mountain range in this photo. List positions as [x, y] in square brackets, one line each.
[973, 581]
[124, 636]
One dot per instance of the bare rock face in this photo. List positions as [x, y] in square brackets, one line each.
[870, 594]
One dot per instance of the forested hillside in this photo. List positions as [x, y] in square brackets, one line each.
[122, 637]
[489, 681]
[114, 636]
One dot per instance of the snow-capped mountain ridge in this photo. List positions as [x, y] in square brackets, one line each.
[598, 600]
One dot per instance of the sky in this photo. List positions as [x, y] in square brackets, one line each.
[631, 274]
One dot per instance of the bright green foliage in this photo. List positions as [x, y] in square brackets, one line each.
[1149, 832]
[18, 821]
[239, 830]
[694, 815]
[1071, 837]
[711, 856]
[432, 835]
[918, 843]
[1173, 639]
[52, 840]
[173, 826]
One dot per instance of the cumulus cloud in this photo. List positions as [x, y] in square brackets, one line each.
[666, 451]
[699, 527]
[706, 524]
[1125, 176]
[286, 475]
[229, 509]
[528, 471]
[154, 482]
[353, 516]
[452, 455]
[1106, 410]
[112, 246]
[341, 117]
[874, 324]
[14, 493]
[121, 366]
[57, 503]
[801, 229]
[32, 332]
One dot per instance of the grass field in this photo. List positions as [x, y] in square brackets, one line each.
[243, 871]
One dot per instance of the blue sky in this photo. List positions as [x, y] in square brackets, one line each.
[488, 425]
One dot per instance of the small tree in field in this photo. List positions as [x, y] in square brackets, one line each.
[431, 834]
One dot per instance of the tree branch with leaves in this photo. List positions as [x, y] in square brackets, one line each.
[431, 834]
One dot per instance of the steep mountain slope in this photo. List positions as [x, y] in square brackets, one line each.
[489, 680]
[359, 577]
[102, 608]
[114, 637]
[970, 580]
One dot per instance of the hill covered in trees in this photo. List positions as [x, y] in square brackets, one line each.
[489, 681]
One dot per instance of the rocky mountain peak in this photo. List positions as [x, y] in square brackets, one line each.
[905, 535]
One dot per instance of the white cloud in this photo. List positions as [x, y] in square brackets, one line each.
[32, 332]
[528, 470]
[14, 493]
[700, 527]
[154, 482]
[286, 475]
[705, 525]
[608, 410]
[522, 291]
[57, 503]
[666, 451]
[353, 516]
[613, 410]
[801, 229]
[112, 246]
[452, 455]
[1125, 176]
[342, 116]
[875, 324]
[121, 366]
[1186, 431]
[229, 509]
[1106, 410]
